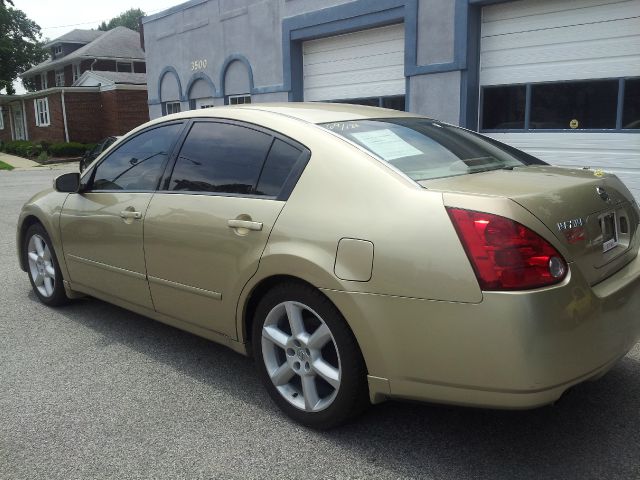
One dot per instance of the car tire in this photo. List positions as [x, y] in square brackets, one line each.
[42, 267]
[308, 358]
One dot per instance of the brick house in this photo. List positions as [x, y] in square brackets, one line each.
[92, 86]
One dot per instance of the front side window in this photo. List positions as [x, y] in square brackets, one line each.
[41, 107]
[220, 157]
[425, 149]
[139, 162]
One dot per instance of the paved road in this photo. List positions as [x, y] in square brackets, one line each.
[93, 391]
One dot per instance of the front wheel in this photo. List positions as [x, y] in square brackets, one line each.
[42, 266]
[308, 358]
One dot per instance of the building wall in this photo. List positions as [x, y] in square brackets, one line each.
[5, 133]
[123, 110]
[55, 131]
[267, 36]
[84, 116]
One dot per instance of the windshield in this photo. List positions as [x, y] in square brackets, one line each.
[425, 149]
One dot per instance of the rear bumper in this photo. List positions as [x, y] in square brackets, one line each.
[512, 350]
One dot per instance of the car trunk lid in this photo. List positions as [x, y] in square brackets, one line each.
[592, 214]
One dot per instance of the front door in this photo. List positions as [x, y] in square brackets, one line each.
[205, 234]
[102, 227]
[18, 123]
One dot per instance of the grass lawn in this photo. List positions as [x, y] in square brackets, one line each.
[5, 166]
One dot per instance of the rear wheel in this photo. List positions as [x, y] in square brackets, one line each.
[308, 358]
[42, 267]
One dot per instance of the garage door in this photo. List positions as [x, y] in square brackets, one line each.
[570, 69]
[369, 63]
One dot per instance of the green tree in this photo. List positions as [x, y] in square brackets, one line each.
[127, 19]
[20, 46]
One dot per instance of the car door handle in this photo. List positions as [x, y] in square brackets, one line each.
[248, 224]
[130, 214]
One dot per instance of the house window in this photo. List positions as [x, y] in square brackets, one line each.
[57, 50]
[124, 67]
[172, 107]
[395, 102]
[43, 80]
[41, 106]
[595, 104]
[76, 71]
[238, 99]
[59, 78]
[1, 119]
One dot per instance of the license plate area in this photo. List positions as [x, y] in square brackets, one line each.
[609, 228]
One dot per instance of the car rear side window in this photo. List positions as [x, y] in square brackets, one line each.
[139, 162]
[220, 157]
[280, 163]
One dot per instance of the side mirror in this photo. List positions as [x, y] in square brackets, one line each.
[67, 183]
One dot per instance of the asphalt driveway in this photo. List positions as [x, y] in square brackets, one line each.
[94, 391]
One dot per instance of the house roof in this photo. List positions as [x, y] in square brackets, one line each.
[93, 77]
[76, 36]
[118, 43]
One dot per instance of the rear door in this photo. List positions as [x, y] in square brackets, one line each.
[102, 226]
[206, 230]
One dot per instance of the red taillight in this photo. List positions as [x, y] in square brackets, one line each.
[506, 255]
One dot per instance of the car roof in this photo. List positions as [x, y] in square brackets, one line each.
[313, 112]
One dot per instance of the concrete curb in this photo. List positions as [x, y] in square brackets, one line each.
[21, 164]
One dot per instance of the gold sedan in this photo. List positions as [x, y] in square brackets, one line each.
[358, 253]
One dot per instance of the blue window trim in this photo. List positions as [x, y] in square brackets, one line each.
[527, 110]
[363, 14]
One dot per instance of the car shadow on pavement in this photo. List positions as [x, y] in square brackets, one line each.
[592, 432]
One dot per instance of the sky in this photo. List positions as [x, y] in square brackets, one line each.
[57, 17]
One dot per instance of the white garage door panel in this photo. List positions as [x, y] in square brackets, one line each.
[575, 34]
[554, 19]
[546, 40]
[617, 153]
[536, 7]
[369, 63]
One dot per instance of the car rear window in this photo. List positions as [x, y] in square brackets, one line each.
[425, 149]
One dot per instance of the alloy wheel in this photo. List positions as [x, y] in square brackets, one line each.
[301, 356]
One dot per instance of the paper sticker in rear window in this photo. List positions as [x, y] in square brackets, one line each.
[386, 144]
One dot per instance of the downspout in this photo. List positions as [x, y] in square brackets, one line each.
[24, 121]
[64, 117]
[13, 135]
[95, 60]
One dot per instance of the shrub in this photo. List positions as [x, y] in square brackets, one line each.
[69, 149]
[23, 148]
[43, 157]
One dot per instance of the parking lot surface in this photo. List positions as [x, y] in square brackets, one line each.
[94, 391]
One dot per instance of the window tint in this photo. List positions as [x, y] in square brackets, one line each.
[631, 112]
[281, 160]
[138, 163]
[503, 107]
[218, 157]
[574, 105]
